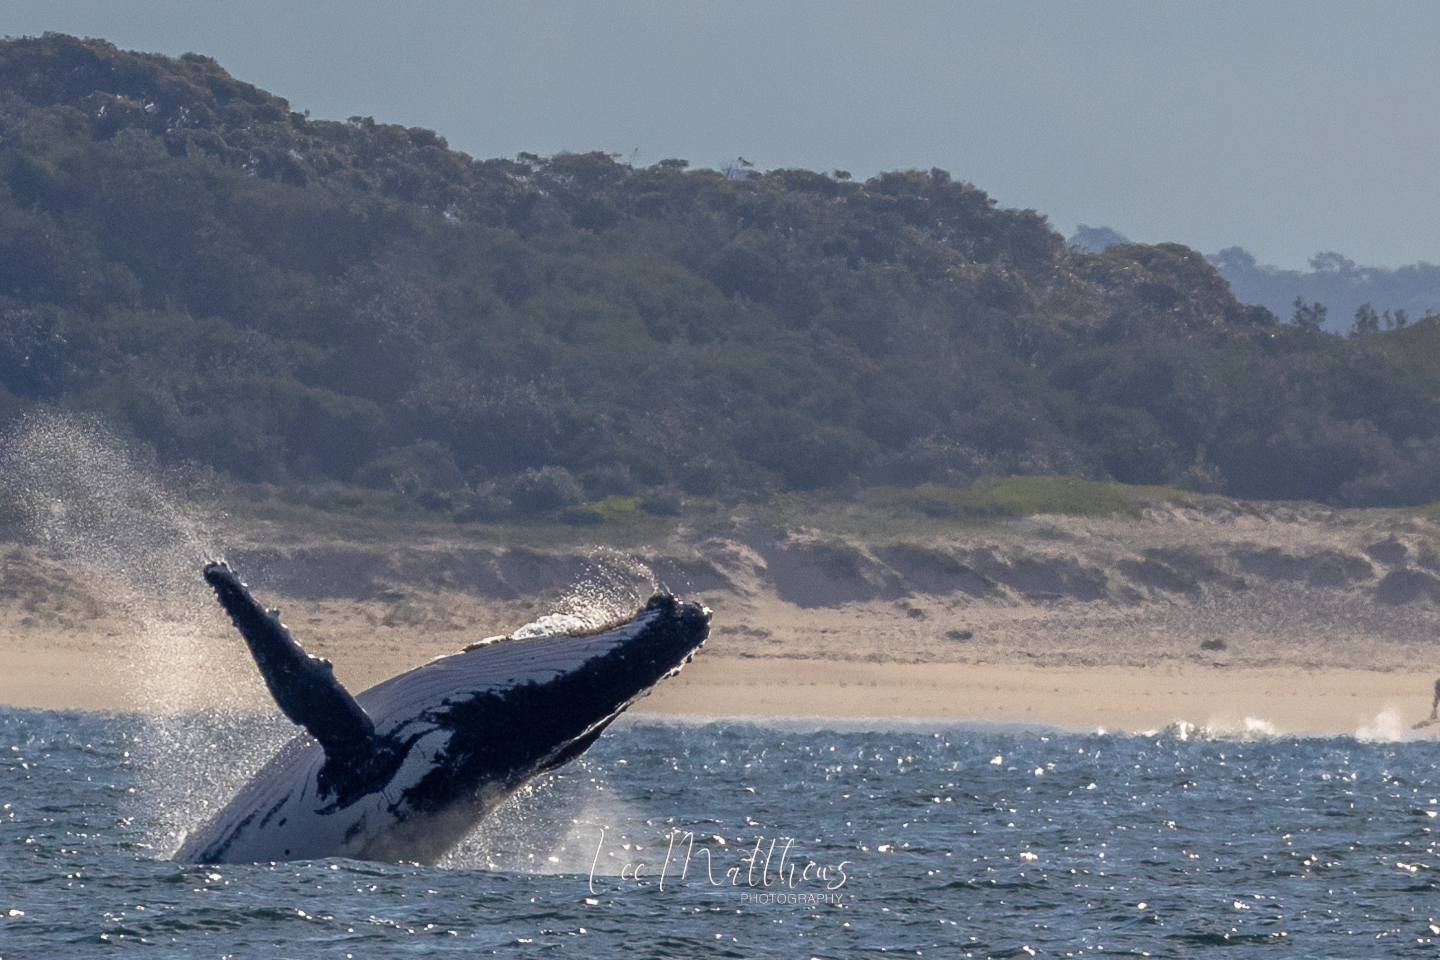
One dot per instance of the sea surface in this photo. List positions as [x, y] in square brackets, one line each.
[890, 842]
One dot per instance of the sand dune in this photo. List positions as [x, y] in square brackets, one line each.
[1316, 621]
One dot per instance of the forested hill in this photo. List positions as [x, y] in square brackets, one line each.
[296, 301]
[1355, 299]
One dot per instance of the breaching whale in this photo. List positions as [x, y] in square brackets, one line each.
[403, 770]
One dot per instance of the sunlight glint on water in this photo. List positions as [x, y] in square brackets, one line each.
[1080, 845]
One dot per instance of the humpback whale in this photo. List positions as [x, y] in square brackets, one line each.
[403, 770]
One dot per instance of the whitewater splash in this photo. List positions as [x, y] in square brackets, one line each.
[119, 520]
[552, 826]
[1388, 726]
[119, 523]
[612, 587]
[85, 495]
[1247, 729]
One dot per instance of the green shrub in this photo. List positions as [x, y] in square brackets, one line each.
[424, 469]
[545, 488]
[662, 503]
[1018, 497]
[582, 517]
[298, 301]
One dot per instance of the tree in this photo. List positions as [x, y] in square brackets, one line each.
[1397, 319]
[1367, 321]
[1328, 261]
[1309, 316]
[1096, 239]
[1234, 259]
[325, 303]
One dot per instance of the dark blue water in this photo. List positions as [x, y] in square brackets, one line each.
[932, 842]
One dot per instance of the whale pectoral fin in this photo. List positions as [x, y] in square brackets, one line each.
[304, 687]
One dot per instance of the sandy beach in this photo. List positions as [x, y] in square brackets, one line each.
[1323, 702]
[1285, 700]
[1236, 619]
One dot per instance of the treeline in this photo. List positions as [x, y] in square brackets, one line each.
[296, 302]
[1357, 299]
[1336, 293]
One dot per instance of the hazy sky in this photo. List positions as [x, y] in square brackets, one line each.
[1287, 127]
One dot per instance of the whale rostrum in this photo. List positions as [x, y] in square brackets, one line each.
[403, 770]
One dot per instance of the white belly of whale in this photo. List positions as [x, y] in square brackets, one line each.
[293, 819]
[451, 740]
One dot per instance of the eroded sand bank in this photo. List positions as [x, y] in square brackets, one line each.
[1309, 621]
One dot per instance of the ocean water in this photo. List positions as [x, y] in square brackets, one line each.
[905, 841]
